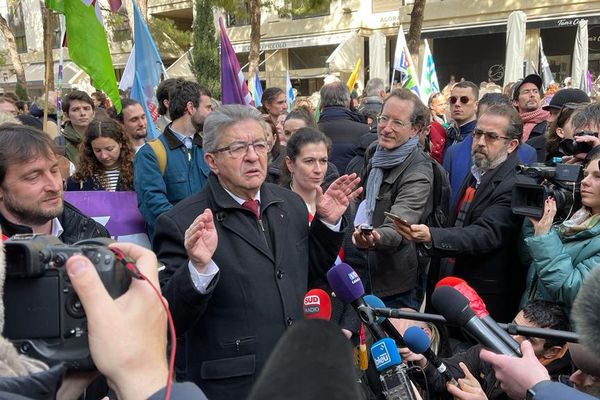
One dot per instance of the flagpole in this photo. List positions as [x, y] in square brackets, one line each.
[48, 69]
[392, 80]
[59, 82]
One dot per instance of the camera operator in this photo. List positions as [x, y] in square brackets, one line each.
[127, 335]
[586, 125]
[31, 189]
[563, 255]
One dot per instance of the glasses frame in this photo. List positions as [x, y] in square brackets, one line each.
[396, 123]
[245, 146]
[454, 99]
[477, 133]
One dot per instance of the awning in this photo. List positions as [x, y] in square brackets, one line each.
[35, 74]
[181, 68]
[293, 42]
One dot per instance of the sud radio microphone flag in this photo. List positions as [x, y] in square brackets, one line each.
[317, 305]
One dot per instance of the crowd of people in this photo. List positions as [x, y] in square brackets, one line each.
[248, 208]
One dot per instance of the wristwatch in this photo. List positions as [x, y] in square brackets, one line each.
[530, 395]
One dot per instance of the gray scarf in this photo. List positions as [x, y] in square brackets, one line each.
[384, 159]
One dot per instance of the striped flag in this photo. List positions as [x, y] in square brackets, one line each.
[546, 71]
[233, 84]
[289, 91]
[403, 63]
[429, 80]
[257, 91]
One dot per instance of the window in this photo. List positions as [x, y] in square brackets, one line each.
[310, 57]
[243, 17]
[243, 60]
[17, 26]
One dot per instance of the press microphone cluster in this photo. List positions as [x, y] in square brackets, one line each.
[418, 342]
[347, 286]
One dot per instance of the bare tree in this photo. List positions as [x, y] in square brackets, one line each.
[254, 54]
[47, 16]
[13, 54]
[416, 23]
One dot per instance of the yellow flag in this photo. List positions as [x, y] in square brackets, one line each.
[353, 76]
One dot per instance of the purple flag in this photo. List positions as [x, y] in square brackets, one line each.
[117, 211]
[233, 85]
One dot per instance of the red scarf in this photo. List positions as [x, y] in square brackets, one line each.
[531, 119]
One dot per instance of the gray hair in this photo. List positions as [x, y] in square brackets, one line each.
[514, 128]
[374, 87]
[225, 116]
[335, 94]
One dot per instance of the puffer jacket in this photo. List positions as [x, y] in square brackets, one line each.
[560, 265]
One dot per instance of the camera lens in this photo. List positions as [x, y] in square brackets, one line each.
[566, 146]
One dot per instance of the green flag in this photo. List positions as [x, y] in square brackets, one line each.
[88, 47]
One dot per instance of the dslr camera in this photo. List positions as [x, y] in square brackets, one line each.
[569, 147]
[537, 182]
[43, 315]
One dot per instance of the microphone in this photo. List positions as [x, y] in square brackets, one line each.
[477, 304]
[317, 305]
[375, 302]
[455, 308]
[395, 382]
[418, 342]
[348, 287]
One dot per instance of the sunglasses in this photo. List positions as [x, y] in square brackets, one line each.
[463, 99]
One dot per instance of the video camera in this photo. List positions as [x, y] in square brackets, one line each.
[43, 315]
[537, 182]
[570, 147]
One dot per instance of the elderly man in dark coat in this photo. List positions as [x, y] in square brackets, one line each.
[240, 253]
[484, 232]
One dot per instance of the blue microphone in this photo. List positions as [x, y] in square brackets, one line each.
[389, 328]
[418, 342]
[395, 382]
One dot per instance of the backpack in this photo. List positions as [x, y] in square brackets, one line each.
[161, 154]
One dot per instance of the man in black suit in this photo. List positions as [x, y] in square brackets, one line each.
[483, 231]
[240, 253]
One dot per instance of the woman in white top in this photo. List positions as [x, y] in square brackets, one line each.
[105, 159]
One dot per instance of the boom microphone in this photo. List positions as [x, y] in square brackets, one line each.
[455, 308]
[375, 302]
[477, 304]
[348, 287]
[317, 305]
[418, 342]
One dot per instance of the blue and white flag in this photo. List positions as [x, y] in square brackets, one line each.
[148, 68]
[257, 91]
[429, 81]
[403, 62]
[289, 90]
[545, 67]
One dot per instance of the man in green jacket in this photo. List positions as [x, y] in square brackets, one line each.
[78, 107]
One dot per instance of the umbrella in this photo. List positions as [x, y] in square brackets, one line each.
[515, 47]
[580, 57]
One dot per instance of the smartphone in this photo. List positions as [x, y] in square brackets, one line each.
[366, 229]
[396, 218]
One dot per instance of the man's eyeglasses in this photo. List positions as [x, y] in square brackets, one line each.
[489, 136]
[239, 149]
[396, 123]
[463, 99]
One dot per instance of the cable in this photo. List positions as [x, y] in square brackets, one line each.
[137, 274]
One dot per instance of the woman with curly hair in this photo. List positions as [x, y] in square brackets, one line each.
[105, 159]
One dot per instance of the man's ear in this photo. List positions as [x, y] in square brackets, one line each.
[554, 353]
[209, 158]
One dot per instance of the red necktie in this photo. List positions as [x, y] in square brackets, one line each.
[252, 205]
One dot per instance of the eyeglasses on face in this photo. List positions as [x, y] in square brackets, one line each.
[463, 99]
[239, 149]
[489, 136]
[396, 123]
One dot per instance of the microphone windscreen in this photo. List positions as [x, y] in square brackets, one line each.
[317, 305]
[375, 302]
[452, 305]
[449, 281]
[312, 360]
[416, 340]
[345, 283]
[475, 301]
